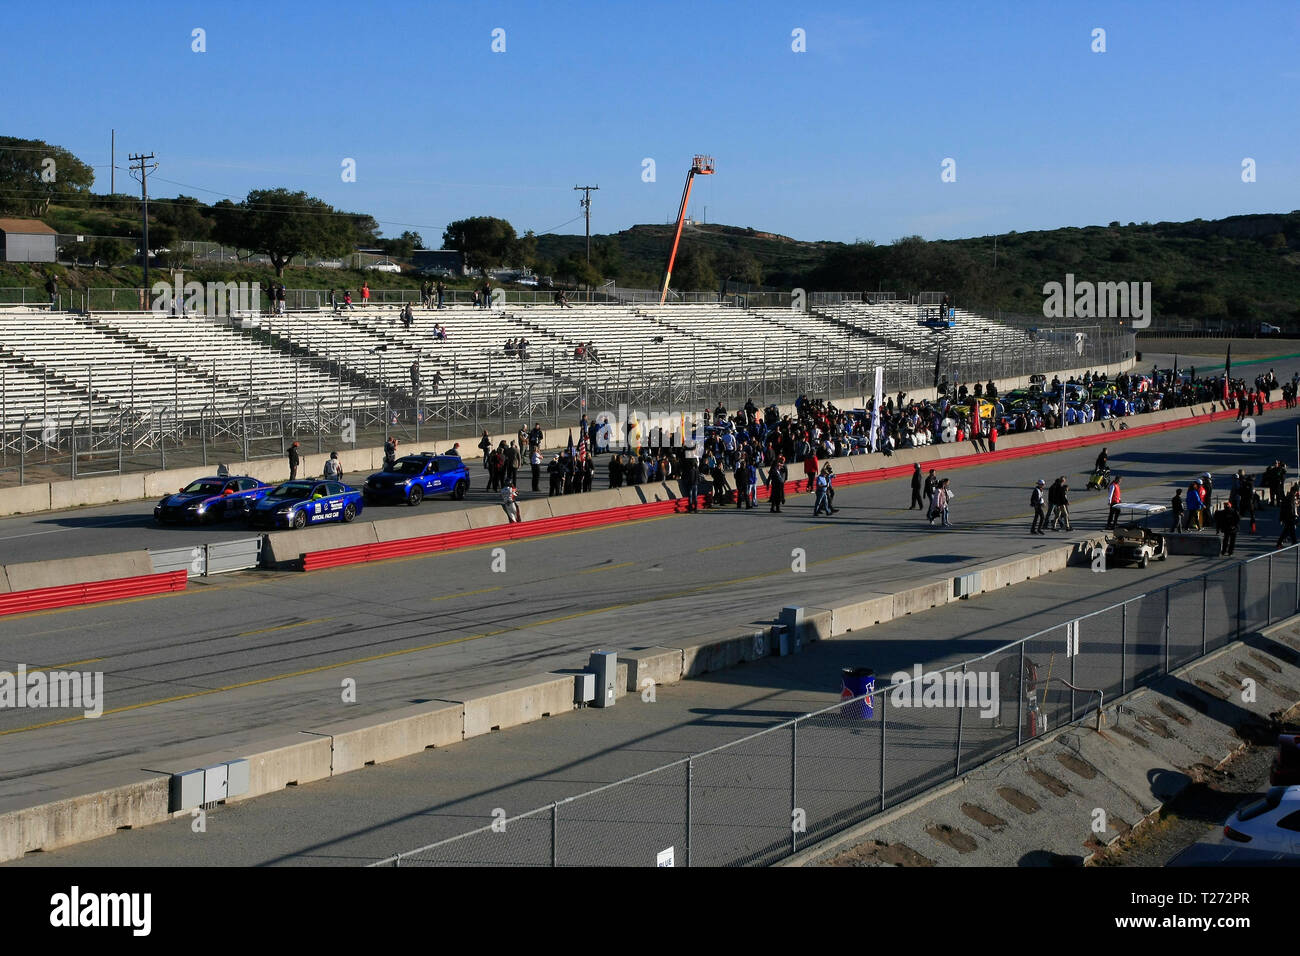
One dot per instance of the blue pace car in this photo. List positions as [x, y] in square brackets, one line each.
[296, 504]
[415, 477]
[211, 499]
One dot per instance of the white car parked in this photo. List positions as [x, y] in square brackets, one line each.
[385, 265]
[1270, 823]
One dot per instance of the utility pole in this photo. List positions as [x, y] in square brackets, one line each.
[585, 202]
[142, 165]
[112, 162]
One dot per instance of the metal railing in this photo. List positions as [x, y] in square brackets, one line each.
[759, 799]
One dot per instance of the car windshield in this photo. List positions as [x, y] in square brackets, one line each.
[292, 489]
[410, 466]
[204, 488]
[1268, 801]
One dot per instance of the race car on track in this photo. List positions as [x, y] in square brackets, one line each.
[415, 477]
[211, 499]
[296, 504]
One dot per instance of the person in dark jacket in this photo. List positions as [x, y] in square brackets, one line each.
[294, 460]
[1038, 501]
[1226, 522]
[1288, 519]
[776, 479]
[1177, 509]
[917, 502]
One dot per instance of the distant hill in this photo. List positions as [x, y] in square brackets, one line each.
[1239, 270]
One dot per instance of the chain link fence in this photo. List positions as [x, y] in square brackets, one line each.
[759, 799]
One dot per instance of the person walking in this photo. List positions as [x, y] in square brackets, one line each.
[917, 502]
[1112, 519]
[821, 501]
[931, 482]
[1038, 501]
[776, 479]
[1178, 510]
[945, 499]
[294, 460]
[1226, 523]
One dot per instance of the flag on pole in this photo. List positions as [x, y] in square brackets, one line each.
[877, 399]
[974, 417]
[938, 355]
[582, 444]
[569, 451]
[1227, 371]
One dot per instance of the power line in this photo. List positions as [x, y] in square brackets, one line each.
[144, 167]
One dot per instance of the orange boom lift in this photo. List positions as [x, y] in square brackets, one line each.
[703, 166]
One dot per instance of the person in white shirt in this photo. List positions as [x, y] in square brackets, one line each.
[333, 467]
[510, 503]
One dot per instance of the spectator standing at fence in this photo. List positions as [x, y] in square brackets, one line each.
[485, 446]
[52, 287]
[294, 460]
[415, 379]
[390, 453]
[441, 291]
[365, 294]
[486, 299]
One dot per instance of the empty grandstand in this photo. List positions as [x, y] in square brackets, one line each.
[133, 379]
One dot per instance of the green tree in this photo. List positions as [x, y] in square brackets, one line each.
[185, 214]
[486, 241]
[33, 173]
[283, 224]
[111, 252]
[693, 271]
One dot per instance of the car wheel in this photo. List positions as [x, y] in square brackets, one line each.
[462, 486]
[416, 496]
[1146, 559]
[349, 512]
[300, 520]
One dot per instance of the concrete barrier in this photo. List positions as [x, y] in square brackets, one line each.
[76, 819]
[97, 490]
[393, 734]
[421, 525]
[286, 547]
[82, 570]
[25, 499]
[703, 655]
[536, 509]
[876, 609]
[285, 761]
[663, 665]
[922, 597]
[488, 517]
[514, 702]
[563, 505]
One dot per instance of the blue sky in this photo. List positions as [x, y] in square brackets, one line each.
[841, 142]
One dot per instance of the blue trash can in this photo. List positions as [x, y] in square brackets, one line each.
[855, 682]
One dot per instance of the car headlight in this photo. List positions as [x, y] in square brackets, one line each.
[287, 509]
[200, 507]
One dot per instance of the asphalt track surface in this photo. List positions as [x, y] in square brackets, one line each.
[128, 526]
[242, 657]
[361, 817]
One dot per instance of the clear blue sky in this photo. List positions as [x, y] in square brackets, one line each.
[841, 142]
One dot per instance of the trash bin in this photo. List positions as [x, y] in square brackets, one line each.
[855, 682]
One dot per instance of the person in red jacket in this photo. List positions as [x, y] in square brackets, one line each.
[1113, 517]
[810, 469]
[993, 438]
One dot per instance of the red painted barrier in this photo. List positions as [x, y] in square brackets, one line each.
[67, 595]
[429, 544]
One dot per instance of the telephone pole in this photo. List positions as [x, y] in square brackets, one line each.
[585, 202]
[142, 164]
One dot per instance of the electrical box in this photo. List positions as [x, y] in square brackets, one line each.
[604, 665]
[584, 688]
[186, 790]
[214, 783]
[236, 778]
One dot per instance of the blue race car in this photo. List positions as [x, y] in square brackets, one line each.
[414, 477]
[211, 499]
[296, 504]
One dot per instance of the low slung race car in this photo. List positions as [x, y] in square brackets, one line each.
[211, 499]
[296, 504]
